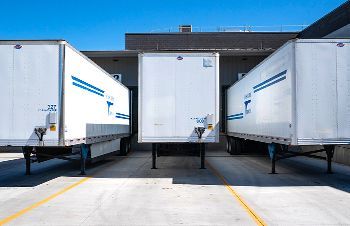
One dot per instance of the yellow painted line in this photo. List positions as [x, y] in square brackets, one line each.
[35, 205]
[258, 220]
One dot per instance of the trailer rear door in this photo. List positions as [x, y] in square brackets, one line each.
[29, 75]
[323, 91]
[177, 93]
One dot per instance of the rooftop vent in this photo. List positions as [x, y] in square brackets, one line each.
[185, 28]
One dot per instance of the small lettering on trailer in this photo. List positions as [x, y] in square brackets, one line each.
[198, 120]
[50, 108]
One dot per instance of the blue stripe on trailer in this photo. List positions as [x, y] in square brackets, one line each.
[122, 117]
[235, 118]
[120, 114]
[85, 88]
[270, 79]
[270, 84]
[87, 84]
[240, 114]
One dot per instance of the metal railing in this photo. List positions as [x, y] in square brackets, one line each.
[242, 28]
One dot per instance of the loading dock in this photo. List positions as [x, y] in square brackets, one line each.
[234, 189]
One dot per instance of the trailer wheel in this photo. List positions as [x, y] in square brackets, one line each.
[123, 146]
[233, 145]
[238, 146]
[129, 145]
[228, 144]
[243, 146]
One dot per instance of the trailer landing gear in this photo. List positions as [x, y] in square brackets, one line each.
[330, 153]
[199, 131]
[154, 155]
[275, 148]
[272, 153]
[84, 151]
[199, 148]
[27, 151]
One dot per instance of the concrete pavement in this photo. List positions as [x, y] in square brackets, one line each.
[125, 191]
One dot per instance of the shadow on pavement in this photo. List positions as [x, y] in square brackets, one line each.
[237, 171]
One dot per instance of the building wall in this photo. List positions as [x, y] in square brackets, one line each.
[230, 66]
[207, 40]
[127, 66]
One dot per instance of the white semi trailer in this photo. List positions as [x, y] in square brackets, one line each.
[55, 99]
[178, 99]
[299, 96]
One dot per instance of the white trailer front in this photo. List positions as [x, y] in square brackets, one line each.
[300, 95]
[178, 97]
[53, 98]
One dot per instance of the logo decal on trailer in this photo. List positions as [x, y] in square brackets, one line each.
[340, 44]
[179, 58]
[17, 46]
[247, 110]
[109, 104]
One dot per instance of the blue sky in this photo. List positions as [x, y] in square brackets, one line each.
[101, 25]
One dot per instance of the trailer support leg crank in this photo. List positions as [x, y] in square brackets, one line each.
[84, 150]
[154, 155]
[330, 152]
[202, 153]
[272, 152]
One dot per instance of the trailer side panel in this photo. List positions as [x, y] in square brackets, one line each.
[260, 105]
[96, 105]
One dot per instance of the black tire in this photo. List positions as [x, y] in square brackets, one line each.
[238, 146]
[128, 145]
[123, 146]
[228, 144]
[233, 146]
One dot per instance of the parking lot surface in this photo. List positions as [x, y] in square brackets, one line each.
[126, 191]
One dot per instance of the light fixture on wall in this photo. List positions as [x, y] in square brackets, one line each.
[117, 77]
